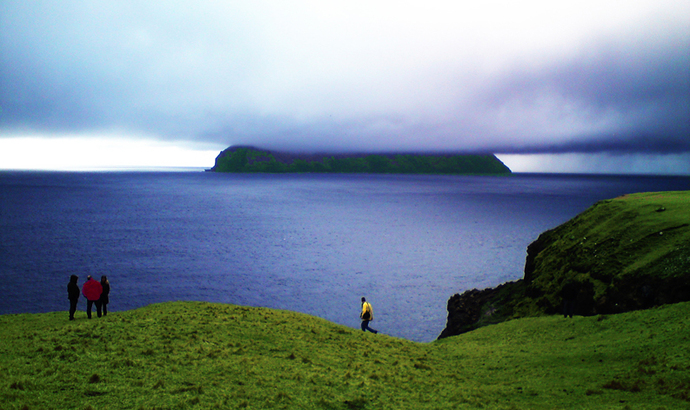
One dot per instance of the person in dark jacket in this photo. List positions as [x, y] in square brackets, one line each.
[92, 292]
[569, 293]
[72, 295]
[105, 285]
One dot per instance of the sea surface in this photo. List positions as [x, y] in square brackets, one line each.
[312, 243]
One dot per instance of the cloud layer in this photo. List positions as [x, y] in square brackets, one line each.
[496, 76]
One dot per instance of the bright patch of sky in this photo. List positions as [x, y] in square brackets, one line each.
[95, 153]
[612, 164]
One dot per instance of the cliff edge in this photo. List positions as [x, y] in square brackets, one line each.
[623, 254]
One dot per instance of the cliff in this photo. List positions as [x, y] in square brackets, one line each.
[624, 254]
[250, 159]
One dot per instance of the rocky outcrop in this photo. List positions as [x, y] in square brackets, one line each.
[624, 254]
[475, 308]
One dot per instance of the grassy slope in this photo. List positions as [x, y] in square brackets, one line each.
[618, 246]
[202, 355]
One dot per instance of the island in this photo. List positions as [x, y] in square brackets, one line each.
[246, 159]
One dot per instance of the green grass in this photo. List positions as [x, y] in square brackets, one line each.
[625, 254]
[617, 246]
[183, 355]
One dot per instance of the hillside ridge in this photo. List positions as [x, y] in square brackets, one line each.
[210, 355]
[621, 254]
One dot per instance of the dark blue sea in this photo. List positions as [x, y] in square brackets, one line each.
[312, 243]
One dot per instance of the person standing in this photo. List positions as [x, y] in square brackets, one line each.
[569, 293]
[105, 286]
[92, 292]
[367, 316]
[72, 295]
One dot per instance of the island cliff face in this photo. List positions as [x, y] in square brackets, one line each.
[629, 253]
[250, 159]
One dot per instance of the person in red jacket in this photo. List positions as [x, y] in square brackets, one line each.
[92, 290]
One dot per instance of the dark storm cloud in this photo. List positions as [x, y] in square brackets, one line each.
[79, 66]
[304, 77]
[641, 93]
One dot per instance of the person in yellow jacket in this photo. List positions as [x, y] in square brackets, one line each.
[367, 316]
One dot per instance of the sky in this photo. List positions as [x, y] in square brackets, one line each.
[548, 86]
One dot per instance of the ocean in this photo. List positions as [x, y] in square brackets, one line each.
[312, 243]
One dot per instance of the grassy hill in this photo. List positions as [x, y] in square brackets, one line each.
[186, 355]
[633, 251]
[627, 253]
[250, 159]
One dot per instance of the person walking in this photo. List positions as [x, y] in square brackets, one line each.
[92, 292]
[73, 295]
[104, 300]
[367, 316]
